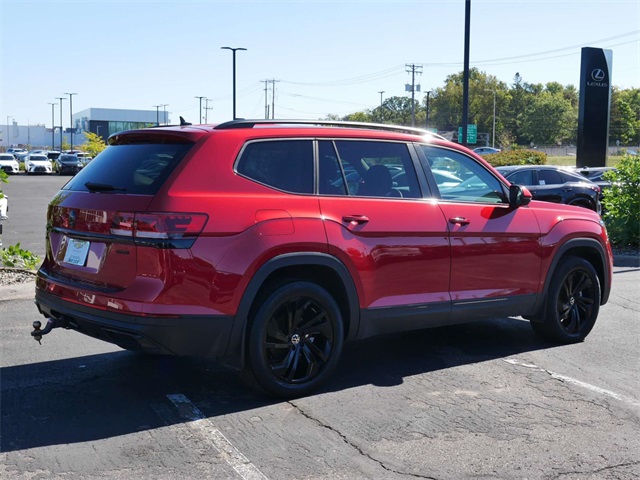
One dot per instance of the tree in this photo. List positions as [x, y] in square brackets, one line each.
[549, 117]
[624, 123]
[94, 144]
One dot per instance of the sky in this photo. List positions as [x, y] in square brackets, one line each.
[326, 56]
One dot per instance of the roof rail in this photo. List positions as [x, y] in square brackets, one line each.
[326, 123]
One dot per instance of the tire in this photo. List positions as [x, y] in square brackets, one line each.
[573, 302]
[295, 340]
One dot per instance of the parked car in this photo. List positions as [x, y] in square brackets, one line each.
[596, 175]
[18, 152]
[53, 155]
[555, 184]
[8, 163]
[83, 157]
[67, 164]
[244, 243]
[486, 150]
[37, 163]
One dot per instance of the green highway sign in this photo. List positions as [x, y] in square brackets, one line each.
[472, 133]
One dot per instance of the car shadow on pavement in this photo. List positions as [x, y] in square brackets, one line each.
[107, 395]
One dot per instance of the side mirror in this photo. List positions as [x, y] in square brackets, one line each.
[519, 196]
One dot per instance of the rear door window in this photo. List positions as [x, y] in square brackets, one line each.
[130, 168]
[282, 164]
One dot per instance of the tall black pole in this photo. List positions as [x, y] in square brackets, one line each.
[465, 78]
[157, 115]
[426, 124]
[61, 99]
[200, 119]
[234, 50]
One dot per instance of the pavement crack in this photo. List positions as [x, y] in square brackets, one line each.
[599, 470]
[354, 446]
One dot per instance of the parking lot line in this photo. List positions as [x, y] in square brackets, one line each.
[198, 422]
[580, 383]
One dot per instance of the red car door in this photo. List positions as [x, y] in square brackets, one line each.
[495, 249]
[393, 242]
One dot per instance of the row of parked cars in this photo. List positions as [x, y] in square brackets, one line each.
[44, 161]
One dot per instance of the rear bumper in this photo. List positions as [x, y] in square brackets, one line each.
[199, 336]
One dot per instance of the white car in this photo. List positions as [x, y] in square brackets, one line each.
[37, 164]
[17, 152]
[8, 163]
[486, 150]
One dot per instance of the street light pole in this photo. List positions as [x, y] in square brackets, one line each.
[61, 99]
[427, 120]
[234, 50]
[53, 125]
[157, 107]
[200, 118]
[493, 139]
[71, 116]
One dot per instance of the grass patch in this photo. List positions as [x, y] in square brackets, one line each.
[570, 160]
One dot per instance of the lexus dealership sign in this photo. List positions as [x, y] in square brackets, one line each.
[595, 107]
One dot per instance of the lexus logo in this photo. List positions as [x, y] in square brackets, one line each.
[597, 74]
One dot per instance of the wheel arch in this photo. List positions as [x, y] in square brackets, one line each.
[322, 269]
[591, 250]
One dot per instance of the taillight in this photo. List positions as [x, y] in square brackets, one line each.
[162, 230]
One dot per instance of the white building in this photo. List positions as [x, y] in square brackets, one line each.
[102, 121]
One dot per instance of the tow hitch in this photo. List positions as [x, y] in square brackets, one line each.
[51, 324]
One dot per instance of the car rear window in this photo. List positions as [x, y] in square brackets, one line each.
[130, 168]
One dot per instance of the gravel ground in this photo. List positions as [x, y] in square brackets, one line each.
[12, 276]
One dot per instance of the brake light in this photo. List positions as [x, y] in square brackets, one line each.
[163, 230]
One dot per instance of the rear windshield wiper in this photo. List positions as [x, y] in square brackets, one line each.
[103, 187]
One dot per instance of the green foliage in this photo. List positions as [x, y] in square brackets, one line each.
[14, 256]
[94, 144]
[517, 157]
[4, 179]
[621, 202]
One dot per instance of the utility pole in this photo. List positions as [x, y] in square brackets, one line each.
[273, 97]
[164, 107]
[381, 97]
[200, 118]
[413, 69]
[266, 102]
[206, 109]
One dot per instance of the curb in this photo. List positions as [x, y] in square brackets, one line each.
[23, 291]
[626, 260]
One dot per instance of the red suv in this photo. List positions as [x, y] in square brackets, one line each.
[272, 243]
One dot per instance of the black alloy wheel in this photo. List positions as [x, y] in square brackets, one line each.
[573, 302]
[295, 339]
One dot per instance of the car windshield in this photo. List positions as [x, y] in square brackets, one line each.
[38, 158]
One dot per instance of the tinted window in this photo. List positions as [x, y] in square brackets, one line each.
[131, 168]
[331, 177]
[523, 177]
[476, 183]
[378, 169]
[283, 164]
[549, 177]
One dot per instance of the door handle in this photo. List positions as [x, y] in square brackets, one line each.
[459, 221]
[357, 219]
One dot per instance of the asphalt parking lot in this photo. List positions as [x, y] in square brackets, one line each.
[485, 400]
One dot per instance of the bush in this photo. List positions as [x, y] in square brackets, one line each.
[16, 257]
[621, 202]
[517, 157]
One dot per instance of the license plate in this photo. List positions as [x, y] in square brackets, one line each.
[77, 251]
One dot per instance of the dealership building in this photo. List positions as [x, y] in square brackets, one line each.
[101, 121]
